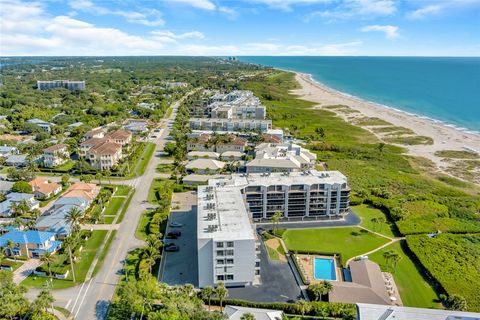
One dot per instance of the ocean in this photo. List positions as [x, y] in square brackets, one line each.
[442, 89]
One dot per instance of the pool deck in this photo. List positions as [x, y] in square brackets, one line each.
[306, 263]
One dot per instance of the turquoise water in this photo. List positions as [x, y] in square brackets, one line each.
[444, 89]
[324, 269]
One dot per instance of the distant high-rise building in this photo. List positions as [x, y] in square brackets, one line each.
[67, 84]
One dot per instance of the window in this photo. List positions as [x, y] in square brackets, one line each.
[220, 261]
[220, 253]
[229, 252]
[219, 244]
[220, 277]
[229, 276]
[229, 261]
[230, 244]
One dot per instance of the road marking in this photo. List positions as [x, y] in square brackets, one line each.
[83, 298]
[68, 303]
[78, 295]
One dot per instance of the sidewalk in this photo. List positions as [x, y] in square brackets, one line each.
[25, 270]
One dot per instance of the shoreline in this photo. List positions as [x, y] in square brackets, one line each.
[444, 136]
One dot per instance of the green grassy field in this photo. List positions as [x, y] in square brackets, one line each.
[125, 207]
[348, 242]
[272, 254]
[414, 290]
[366, 213]
[158, 185]
[143, 162]
[141, 231]
[122, 190]
[81, 267]
[104, 252]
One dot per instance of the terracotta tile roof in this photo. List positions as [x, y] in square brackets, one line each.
[270, 138]
[93, 141]
[106, 148]
[78, 194]
[11, 137]
[81, 189]
[55, 147]
[119, 134]
[234, 140]
[43, 186]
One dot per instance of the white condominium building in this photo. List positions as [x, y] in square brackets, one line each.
[287, 157]
[238, 104]
[67, 84]
[312, 194]
[227, 247]
[216, 124]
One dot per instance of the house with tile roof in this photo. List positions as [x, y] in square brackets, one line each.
[55, 155]
[44, 189]
[30, 244]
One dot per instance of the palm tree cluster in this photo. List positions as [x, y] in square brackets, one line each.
[378, 221]
[16, 306]
[318, 290]
[391, 257]
[219, 292]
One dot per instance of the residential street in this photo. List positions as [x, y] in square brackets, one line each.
[91, 299]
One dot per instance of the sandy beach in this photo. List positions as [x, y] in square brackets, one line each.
[444, 137]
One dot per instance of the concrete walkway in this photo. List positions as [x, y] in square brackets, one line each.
[25, 270]
[100, 226]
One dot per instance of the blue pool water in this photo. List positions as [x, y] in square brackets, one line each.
[324, 269]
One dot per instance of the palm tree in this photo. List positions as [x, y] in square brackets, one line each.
[48, 258]
[375, 222]
[303, 306]
[99, 177]
[381, 221]
[11, 246]
[153, 242]
[275, 219]
[326, 287]
[207, 294]
[108, 174]
[74, 217]
[42, 302]
[395, 257]
[68, 244]
[150, 256]
[221, 292]
[386, 255]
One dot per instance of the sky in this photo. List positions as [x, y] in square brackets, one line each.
[240, 27]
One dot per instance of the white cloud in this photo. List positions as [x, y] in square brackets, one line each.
[425, 11]
[199, 4]
[363, 9]
[170, 37]
[286, 5]
[391, 32]
[147, 17]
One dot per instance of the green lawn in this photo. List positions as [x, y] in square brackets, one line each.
[122, 190]
[113, 205]
[125, 207]
[367, 212]
[104, 252]
[165, 168]
[158, 185]
[272, 254]
[143, 162]
[348, 242]
[414, 290]
[81, 267]
[142, 228]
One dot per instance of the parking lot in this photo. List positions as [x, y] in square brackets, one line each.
[181, 267]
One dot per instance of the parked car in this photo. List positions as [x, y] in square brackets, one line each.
[174, 234]
[171, 248]
[176, 225]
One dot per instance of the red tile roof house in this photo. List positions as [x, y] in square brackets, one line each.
[43, 189]
[55, 155]
[104, 153]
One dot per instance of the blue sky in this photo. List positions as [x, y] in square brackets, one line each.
[234, 27]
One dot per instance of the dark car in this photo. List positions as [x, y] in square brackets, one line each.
[174, 234]
[171, 248]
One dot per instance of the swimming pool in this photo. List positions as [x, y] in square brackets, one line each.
[324, 269]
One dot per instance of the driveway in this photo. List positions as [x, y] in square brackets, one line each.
[181, 267]
[278, 283]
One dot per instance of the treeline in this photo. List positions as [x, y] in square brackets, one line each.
[454, 261]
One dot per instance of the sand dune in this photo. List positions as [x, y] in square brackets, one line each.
[444, 137]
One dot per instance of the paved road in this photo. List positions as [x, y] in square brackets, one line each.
[91, 299]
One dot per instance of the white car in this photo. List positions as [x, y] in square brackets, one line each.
[176, 225]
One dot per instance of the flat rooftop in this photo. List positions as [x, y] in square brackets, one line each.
[279, 178]
[383, 312]
[222, 215]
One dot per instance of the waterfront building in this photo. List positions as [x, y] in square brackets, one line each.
[67, 84]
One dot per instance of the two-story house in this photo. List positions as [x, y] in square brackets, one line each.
[16, 198]
[55, 155]
[30, 244]
[44, 189]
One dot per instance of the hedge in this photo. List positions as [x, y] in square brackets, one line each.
[318, 308]
[8, 263]
[302, 276]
